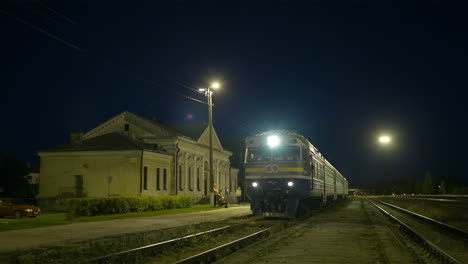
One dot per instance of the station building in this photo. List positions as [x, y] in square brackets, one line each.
[130, 155]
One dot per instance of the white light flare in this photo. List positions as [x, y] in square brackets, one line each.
[273, 141]
[384, 139]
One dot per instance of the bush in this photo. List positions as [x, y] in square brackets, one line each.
[123, 204]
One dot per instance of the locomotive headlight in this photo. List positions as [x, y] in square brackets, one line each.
[254, 184]
[273, 141]
[290, 184]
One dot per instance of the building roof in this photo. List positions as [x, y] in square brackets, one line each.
[107, 142]
[193, 131]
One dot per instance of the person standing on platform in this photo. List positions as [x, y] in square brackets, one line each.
[239, 195]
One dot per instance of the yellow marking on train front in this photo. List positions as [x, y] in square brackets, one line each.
[291, 169]
[281, 169]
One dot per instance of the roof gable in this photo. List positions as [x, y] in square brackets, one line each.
[137, 126]
[205, 139]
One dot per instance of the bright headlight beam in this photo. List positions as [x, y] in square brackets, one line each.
[384, 139]
[273, 141]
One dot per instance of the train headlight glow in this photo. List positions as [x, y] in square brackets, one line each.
[273, 141]
[254, 184]
[290, 184]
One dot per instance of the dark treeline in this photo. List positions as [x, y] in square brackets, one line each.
[428, 184]
[14, 179]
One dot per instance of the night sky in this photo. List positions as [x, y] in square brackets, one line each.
[340, 73]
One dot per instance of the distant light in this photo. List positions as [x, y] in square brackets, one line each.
[273, 141]
[290, 184]
[254, 184]
[384, 139]
[201, 89]
[215, 85]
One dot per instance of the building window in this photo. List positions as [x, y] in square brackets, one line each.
[157, 179]
[198, 179]
[180, 178]
[190, 178]
[165, 179]
[145, 178]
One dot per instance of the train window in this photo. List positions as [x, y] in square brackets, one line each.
[259, 154]
[286, 153]
[305, 153]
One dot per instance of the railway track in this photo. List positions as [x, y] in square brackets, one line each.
[210, 255]
[446, 243]
[148, 252]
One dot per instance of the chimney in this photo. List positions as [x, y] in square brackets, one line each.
[76, 138]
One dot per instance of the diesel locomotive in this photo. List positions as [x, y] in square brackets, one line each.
[283, 170]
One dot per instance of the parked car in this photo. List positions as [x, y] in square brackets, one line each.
[17, 208]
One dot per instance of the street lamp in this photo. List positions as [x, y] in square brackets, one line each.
[385, 139]
[209, 93]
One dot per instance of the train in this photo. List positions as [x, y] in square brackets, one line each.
[284, 171]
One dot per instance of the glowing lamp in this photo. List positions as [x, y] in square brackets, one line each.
[215, 85]
[273, 141]
[384, 139]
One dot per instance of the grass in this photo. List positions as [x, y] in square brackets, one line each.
[59, 219]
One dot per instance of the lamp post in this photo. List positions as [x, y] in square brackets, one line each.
[209, 93]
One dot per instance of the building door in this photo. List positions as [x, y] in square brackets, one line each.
[78, 185]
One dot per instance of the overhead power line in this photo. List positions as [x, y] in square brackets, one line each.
[41, 30]
[191, 98]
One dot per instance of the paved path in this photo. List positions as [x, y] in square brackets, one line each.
[65, 234]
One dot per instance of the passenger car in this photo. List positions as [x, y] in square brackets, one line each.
[17, 208]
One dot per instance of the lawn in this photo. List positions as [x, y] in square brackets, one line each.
[59, 219]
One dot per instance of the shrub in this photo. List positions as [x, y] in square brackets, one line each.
[123, 204]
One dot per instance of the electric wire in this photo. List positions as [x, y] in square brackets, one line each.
[239, 124]
[25, 22]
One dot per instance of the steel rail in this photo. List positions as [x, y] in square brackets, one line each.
[447, 227]
[435, 250]
[163, 243]
[210, 254]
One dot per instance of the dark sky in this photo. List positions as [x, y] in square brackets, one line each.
[337, 72]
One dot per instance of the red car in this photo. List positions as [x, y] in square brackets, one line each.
[17, 208]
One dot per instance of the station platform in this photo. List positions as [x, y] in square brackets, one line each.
[14, 240]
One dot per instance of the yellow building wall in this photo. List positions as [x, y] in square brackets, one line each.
[58, 171]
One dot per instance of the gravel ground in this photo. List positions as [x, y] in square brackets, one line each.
[14, 240]
[351, 232]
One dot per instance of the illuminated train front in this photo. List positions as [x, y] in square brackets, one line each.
[283, 169]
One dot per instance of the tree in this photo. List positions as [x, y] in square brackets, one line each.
[13, 179]
[428, 186]
[442, 187]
